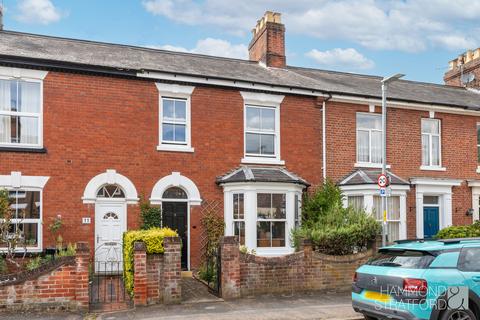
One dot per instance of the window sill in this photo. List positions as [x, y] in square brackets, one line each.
[260, 160]
[22, 149]
[273, 252]
[370, 165]
[430, 168]
[175, 148]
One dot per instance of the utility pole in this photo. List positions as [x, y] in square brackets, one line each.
[385, 83]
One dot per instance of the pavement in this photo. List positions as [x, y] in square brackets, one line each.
[307, 306]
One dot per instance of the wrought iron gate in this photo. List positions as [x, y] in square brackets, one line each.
[107, 288]
[214, 271]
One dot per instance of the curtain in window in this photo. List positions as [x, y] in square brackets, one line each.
[356, 202]
[393, 215]
[363, 146]
[425, 150]
[435, 150]
[28, 130]
[29, 97]
[376, 147]
[5, 129]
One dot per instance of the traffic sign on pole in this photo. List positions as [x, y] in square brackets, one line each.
[382, 180]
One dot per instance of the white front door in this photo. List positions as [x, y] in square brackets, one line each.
[110, 223]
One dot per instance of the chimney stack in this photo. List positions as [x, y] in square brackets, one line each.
[464, 71]
[268, 42]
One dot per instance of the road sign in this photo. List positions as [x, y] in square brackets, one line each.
[383, 192]
[382, 180]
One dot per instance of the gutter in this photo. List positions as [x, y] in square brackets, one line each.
[324, 137]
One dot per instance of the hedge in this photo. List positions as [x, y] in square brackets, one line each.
[153, 239]
[469, 231]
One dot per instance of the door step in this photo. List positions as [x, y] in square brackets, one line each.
[187, 274]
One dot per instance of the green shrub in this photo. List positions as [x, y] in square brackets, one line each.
[34, 263]
[69, 251]
[151, 216]
[333, 229]
[153, 239]
[207, 273]
[452, 232]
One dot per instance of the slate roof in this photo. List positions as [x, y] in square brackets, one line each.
[261, 174]
[16, 47]
[369, 176]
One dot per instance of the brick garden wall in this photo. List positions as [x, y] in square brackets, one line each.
[60, 285]
[157, 276]
[306, 270]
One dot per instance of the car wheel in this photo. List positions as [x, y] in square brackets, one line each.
[369, 318]
[458, 315]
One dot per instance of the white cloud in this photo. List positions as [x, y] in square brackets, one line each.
[213, 47]
[408, 25]
[38, 12]
[341, 58]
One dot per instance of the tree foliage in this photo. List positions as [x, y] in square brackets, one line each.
[332, 228]
[151, 216]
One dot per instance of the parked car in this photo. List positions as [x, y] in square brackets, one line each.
[419, 279]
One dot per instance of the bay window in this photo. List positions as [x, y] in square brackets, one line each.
[262, 216]
[271, 220]
[369, 138]
[20, 112]
[431, 143]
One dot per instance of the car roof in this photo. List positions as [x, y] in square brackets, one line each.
[432, 245]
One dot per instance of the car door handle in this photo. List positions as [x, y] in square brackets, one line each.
[476, 278]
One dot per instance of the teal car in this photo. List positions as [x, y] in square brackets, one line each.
[420, 279]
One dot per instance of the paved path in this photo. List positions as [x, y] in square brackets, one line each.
[280, 307]
[194, 291]
[288, 307]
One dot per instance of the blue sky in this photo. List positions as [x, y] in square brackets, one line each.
[415, 37]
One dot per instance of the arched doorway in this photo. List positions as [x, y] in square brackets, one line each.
[176, 194]
[110, 224]
[110, 192]
[175, 216]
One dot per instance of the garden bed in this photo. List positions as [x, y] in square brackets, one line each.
[25, 275]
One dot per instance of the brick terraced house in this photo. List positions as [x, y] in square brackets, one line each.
[87, 128]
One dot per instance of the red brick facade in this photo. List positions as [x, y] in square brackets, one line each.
[458, 151]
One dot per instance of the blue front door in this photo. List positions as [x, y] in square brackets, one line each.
[431, 221]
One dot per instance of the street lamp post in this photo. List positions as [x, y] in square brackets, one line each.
[385, 82]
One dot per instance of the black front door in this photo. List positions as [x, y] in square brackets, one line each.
[174, 216]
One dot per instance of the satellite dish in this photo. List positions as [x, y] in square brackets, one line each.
[467, 78]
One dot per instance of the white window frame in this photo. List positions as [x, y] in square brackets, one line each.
[430, 166]
[235, 220]
[175, 91]
[399, 220]
[16, 182]
[26, 75]
[366, 164]
[272, 220]
[262, 100]
[250, 191]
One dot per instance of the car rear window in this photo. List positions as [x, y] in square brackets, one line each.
[402, 259]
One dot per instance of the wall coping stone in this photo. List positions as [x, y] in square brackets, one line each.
[139, 246]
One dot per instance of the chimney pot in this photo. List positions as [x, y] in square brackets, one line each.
[468, 56]
[476, 54]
